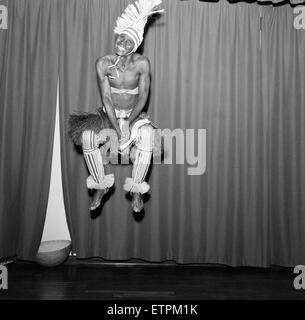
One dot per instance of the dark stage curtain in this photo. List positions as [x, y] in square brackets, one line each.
[283, 65]
[210, 70]
[206, 73]
[29, 72]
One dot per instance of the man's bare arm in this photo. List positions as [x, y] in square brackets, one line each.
[101, 67]
[144, 84]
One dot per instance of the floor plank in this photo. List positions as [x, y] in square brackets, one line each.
[103, 281]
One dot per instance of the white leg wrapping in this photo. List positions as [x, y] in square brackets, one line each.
[141, 164]
[94, 161]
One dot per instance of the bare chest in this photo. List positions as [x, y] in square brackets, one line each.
[123, 78]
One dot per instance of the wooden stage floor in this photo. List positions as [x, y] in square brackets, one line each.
[128, 281]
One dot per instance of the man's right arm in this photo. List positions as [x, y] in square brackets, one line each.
[101, 67]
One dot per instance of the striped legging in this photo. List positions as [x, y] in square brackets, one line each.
[94, 161]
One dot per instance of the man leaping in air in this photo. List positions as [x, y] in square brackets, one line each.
[124, 79]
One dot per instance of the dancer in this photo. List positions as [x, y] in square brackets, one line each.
[124, 79]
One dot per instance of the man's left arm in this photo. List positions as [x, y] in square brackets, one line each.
[144, 84]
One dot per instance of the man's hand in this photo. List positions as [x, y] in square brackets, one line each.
[125, 131]
[119, 135]
[122, 141]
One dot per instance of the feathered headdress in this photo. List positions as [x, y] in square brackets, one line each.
[134, 18]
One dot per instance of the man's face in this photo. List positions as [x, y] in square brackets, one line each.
[123, 45]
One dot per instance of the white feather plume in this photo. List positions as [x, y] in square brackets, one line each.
[136, 14]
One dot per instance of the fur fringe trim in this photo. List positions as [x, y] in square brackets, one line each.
[131, 186]
[79, 122]
[107, 182]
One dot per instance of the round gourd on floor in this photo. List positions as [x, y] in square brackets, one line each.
[53, 253]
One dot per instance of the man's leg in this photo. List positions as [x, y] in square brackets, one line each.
[136, 185]
[97, 179]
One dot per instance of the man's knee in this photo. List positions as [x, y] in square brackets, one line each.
[89, 140]
[146, 135]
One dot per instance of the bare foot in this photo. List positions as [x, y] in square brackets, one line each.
[137, 203]
[97, 198]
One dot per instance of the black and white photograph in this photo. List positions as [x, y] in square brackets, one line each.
[152, 153]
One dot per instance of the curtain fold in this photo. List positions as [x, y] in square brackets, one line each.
[283, 79]
[28, 76]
